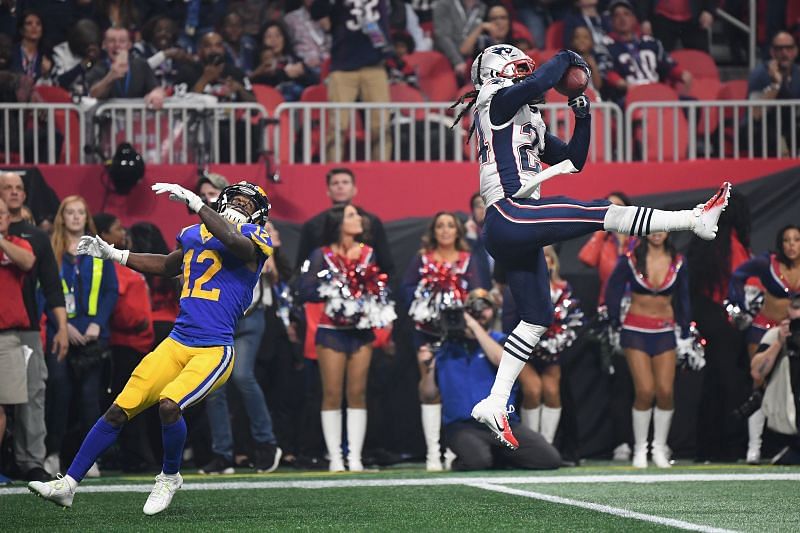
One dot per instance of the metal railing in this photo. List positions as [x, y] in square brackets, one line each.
[38, 132]
[184, 130]
[307, 132]
[196, 132]
[690, 130]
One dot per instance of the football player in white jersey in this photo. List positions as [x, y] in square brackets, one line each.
[513, 142]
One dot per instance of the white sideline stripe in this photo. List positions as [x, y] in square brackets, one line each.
[616, 511]
[432, 481]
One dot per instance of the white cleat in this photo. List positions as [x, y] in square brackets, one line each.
[753, 456]
[161, 496]
[355, 464]
[94, 471]
[640, 458]
[59, 491]
[336, 464]
[661, 457]
[433, 462]
[495, 417]
[707, 215]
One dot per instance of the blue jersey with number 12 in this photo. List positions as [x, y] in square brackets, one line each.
[217, 285]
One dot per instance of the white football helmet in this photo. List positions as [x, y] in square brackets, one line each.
[501, 61]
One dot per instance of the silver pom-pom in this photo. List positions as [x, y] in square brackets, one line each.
[691, 350]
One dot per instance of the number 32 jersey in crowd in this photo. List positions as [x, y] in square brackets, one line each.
[217, 285]
[510, 153]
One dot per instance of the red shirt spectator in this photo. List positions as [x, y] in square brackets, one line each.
[132, 319]
[16, 258]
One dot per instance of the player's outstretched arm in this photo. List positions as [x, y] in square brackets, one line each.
[509, 99]
[238, 244]
[161, 265]
[556, 150]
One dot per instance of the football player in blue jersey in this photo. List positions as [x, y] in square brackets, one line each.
[513, 142]
[220, 260]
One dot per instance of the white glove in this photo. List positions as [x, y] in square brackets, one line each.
[179, 194]
[97, 247]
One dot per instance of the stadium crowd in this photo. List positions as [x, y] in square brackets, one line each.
[74, 327]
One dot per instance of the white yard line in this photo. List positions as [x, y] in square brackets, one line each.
[354, 482]
[616, 511]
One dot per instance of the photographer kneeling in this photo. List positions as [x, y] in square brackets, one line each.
[465, 366]
[775, 368]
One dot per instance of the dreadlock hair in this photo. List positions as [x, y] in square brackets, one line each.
[471, 96]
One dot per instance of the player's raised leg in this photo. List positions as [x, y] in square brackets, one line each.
[206, 370]
[157, 369]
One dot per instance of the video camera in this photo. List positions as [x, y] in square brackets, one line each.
[451, 321]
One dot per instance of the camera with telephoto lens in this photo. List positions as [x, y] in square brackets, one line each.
[793, 340]
[750, 405]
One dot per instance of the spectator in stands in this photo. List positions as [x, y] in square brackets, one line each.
[360, 44]
[465, 371]
[583, 44]
[29, 427]
[159, 47]
[634, 60]
[240, 48]
[341, 189]
[146, 238]
[247, 340]
[30, 57]
[311, 42]
[90, 291]
[116, 14]
[536, 15]
[496, 30]
[209, 186]
[777, 79]
[131, 339]
[399, 70]
[214, 76]
[6, 52]
[454, 21]
[73, 58]
[121, 75]
[16, 258]
[688, 22]
[586, 15]
[279, 67]
[60, 16]
[18, 88]
[445, 249]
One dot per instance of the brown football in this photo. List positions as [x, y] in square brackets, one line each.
[573, 82]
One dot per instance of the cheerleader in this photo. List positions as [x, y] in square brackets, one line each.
[659, 287]
[541, 379]
[439, 277]
[344, 336]
[779, 273]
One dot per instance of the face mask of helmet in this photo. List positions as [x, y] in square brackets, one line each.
[126, 169]
[236, 214]
[501, 61]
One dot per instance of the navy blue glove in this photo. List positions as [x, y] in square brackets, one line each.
[576, 60]
[580, 106]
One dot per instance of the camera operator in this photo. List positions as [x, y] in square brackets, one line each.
[774, 369]
[465, 367]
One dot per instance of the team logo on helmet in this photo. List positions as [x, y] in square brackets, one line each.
[501, 61]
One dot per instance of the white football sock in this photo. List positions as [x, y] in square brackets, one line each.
[531, 417]
[641, 221]
[432, 427]
[516, 352]
[662, 419]
[641, 429]
[356, 430]
[332, 431]
[550, 419]
[755, 428]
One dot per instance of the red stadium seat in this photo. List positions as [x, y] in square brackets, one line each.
[271, 98]
[563, 124]
[672, 124]
[699, 63]
[521, 31]
[733, 90]
[554, 37]
[319, 93]
[437, 80]
[58, 95]
[325, 69]
[403, 92]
